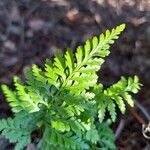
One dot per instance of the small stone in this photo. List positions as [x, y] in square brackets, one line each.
[36, 24]
[10, 45]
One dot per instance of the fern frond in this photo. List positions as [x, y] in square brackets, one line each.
[69, 60]
[88, 60]
[18, 130]
[37, 72]
[65, 101]
[106, 136]
[37, 86]
[92, 135]
[12, 99]
[64, 141]
[123, 88]
[50, 74]
[70, 70]
[26, 102]
[60, 66]
[116, 94]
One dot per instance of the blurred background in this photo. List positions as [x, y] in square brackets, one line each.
[30, 31]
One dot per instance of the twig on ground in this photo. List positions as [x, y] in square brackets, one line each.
[119, 128]
[137, 116]
[143, 110]
[145, 126]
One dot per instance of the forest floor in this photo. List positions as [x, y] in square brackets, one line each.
[30, 31]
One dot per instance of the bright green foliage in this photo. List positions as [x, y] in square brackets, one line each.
[63, 141]
[117, 94]
[65, 103]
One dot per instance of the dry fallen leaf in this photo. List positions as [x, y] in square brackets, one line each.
[72, 14]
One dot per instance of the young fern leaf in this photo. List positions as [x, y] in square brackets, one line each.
[65, 98]
[37, 72]
[69, 60]
[50, 74]
[106, 136]
[88, 60]
[27, 103]
[53, 138]
[18, 130]
[92, 135]
[116, 94]
[59, 64]
[12, 99]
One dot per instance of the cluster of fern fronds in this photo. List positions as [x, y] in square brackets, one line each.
[64, 101]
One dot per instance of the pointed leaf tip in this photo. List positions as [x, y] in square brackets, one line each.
[122, 26]
[3, 86]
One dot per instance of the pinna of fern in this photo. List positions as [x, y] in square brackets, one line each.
[67, 97]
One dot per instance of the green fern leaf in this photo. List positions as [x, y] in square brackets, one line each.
[12, 99]
[26, 102]
[84, 55]
[64, 141]
[92, 135]
[106, 136]
[69, 60]
[59, 64]
[37, 72]
[112, 110]
[50, 74]
[64, 100]
[18, 130]
[116, 94]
